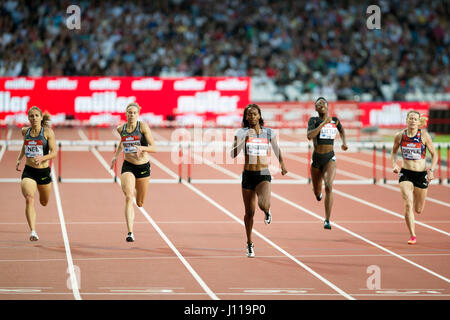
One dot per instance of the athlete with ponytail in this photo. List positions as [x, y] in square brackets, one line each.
[136, 141]
[39, 147]
[414, 176]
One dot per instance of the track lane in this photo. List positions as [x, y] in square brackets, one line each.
[108, 264]
[281, 186]
[35, 270]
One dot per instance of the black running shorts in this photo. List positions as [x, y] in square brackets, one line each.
[40, 175]
[319, 160]
[418, 178]
[250, 179]
[138, 170]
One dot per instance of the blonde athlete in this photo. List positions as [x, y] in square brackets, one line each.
[39, 146]
[413, 174]
[136, 141]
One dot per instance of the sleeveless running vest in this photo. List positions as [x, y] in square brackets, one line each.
[133, 139]
[413, 148]
[259, 145]
[35, 146]
[328, 132]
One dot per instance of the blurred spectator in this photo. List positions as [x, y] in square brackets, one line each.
[324, 45]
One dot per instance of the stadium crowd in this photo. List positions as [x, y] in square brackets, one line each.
[317, 46]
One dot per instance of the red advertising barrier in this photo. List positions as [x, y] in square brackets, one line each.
[389, 114]
[103, 100]
[352, 114]
[297, 114]
[214, 101]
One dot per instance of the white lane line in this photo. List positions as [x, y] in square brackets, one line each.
[237, 256]
[163, 236]
[179, 255]
[361, 237]
[353, 233]
[370, 204]
[378, 293]
[71, 270]
[2, 151]
[442, 203]
[222, 222]
[369, 164]
[9, 134]
[228, 213]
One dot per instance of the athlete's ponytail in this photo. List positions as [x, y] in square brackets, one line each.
[423, 119]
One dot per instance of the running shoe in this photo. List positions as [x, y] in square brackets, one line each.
[130, 237]
[412, 240]
[34, 236]
[326, 224]
[268, 218]
[319, 197]
[250, 250]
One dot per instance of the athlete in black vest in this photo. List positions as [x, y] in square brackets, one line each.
[136, 141]
[322, 130]
[39, 146]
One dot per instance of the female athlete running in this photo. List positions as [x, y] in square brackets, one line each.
[136, 141]
[39, 146]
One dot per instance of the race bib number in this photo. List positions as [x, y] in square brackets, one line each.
[412, 153]
[257, 146]
[34, 148]
[129, 143]
[328, 131]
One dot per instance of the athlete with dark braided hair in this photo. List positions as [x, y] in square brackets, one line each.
[322, 130]
[256, 140]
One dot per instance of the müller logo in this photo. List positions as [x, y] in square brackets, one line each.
[13, 104]
[62, 84]
[232, 85]
[208, 101]
[19, 84]
[104, 84]
[189, 84]
[147, 84]
[32, 142]
[102, 102]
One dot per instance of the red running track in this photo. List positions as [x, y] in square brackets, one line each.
[190, 239]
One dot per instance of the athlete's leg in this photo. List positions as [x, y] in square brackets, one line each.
[263, 192]
[29, 187]
[316, 179]
[420, 195]
[44, 193]
[249, 197]
[329, 172]
[407, 191]
[128, 182]
[141, 190]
